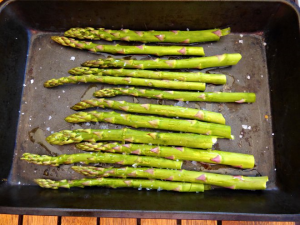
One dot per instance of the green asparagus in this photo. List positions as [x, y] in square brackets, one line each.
[154, 122]
[227, 181]
[124, 183]
[174, 36]
[100, 157]
[179, 95]
[126, 81]
[163, 110]
[239, 160]
[191, 63]
[121, 49]
[149, 74]
[135, 136]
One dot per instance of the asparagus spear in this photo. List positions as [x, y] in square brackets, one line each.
[163, 110]
[191, 63]
[123, 183]
[120, 49]
[228, 181]
[126, 81]
[175, 36]
[154, 122]
[100, 157]
[179, 95]
[239, 160]
[127, 135]
[159, 75]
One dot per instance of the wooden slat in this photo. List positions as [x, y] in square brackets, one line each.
[39, 220]
[158, 222]
[78, 221]
[255, 223]
[198, 222]
[6, 219]
[117, 221]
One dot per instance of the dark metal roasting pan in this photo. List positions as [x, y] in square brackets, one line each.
[266, 33]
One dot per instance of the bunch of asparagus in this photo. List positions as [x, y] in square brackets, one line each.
[148, 148]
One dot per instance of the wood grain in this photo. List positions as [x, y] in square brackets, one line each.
[158, 222]
[40, 220]
[255, 223]
[6, 219]
[118, 221]
[79, 221]
[198, 222]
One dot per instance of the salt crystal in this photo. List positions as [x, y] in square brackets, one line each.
[41, 68]
[262, 76]
[245, 126]
[241, 41]
[52, 132]
[241, 136]
[50, 117]
[179, 103]
[249, 127]
[241, 35]
[87, 124]
[187, 29]
[22, 113]
[63, 91]
[72, 58]
[194, 163]
[248, 77]
[265, 43]
[187, 102]
[24, 85]
[58, 96]
[275, 169]
[48, 128]
[39, 49]
[35, 88]
[32, 81]
[238, 80]
[267, 146]
[272, 134]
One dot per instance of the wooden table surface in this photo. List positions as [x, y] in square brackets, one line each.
[55, 220]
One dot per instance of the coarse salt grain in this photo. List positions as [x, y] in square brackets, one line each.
[48, 128]
[248, 77]
[32, 81]
[50, 117]
[241, 41]
[72, 58]
[244, 126]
